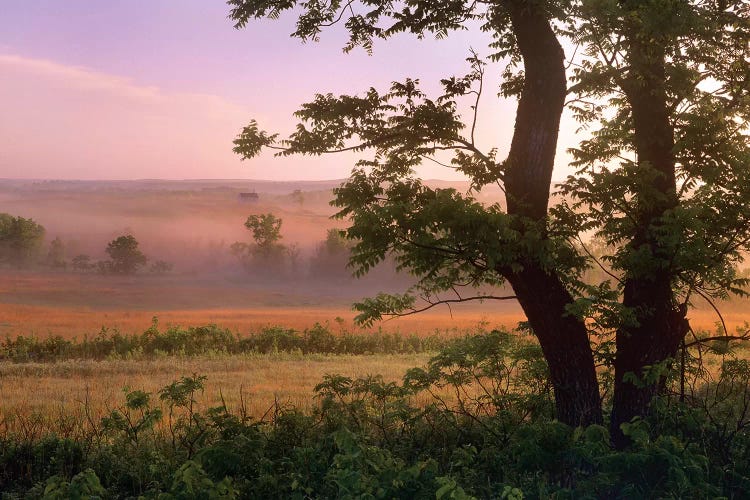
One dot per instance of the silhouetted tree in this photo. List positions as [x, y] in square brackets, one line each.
[266, 253]
[331, 256]
[81, 262]
[298, 197]
[161, 267]
[663, 179]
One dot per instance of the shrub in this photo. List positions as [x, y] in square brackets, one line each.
[369, 438]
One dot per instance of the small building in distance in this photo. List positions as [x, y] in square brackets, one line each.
[248, 197]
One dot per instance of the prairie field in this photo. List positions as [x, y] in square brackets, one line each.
[191, 224]
[47, 392]
[74, 306]
[71, 306]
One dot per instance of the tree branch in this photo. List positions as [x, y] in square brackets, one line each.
[726, 338]
[447, 302]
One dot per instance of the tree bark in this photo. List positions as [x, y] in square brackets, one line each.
[528, 173]
[565, 344]
[660, 323]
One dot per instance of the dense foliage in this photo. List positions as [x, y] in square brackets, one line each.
[20, 240]
[125, 255]
[662, 93]
[494, 437]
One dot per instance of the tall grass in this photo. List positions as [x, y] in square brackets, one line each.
[211, 339]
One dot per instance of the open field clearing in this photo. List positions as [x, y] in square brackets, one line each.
[74, 306]
[52, 390]
[79, 322]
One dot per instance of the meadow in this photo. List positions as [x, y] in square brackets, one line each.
[59, 397]
[89, 362]
[78, 307]
[191, 223]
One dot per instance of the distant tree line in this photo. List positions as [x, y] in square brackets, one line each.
[265, 255]
[22, 240]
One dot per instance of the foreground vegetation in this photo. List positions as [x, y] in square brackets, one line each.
[59, 398]
[475, 421]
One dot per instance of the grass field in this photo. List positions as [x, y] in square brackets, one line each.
[78, 306]
[192, 227]
[73, 305]
[78, 322]
[45, 392]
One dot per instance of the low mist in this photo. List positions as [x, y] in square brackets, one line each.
[190, 227]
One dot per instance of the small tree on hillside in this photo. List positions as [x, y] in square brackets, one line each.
[298, 197]
[266, 230]
[266, 249]
[161, 267]
[126, 258]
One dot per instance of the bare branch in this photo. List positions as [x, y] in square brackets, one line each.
[341, 14]
[480, 70]
[745, 337]
[598, 263]
[447, 302]
[713, 306]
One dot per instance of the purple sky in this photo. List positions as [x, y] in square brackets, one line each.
[95, 89]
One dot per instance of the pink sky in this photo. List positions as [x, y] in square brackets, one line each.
[159, 88]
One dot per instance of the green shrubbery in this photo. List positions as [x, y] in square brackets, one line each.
[202, 340]
[475, 422]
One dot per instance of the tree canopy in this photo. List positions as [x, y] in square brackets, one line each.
[20, 239]
[661, 90]
[266, 253]
[125, 255]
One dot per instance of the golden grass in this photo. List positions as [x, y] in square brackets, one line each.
[77, 322]
[55, 390]
[74, 305]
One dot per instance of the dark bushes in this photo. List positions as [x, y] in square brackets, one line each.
[476, 422]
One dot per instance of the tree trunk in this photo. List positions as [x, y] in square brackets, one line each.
[565, 343]
[528, 173]
[660, 323]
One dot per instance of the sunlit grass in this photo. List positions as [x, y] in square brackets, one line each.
[77, 322]
[47, 392]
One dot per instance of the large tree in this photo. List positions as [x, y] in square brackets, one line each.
[663, 175]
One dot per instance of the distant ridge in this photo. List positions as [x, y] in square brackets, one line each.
[239, 185]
